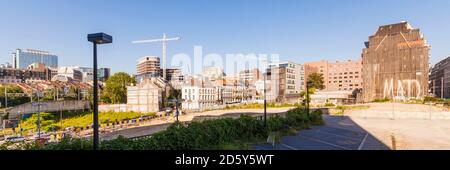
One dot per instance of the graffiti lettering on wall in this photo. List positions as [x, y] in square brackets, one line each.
[405, 89]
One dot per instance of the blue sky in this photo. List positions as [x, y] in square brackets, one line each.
[298, 30]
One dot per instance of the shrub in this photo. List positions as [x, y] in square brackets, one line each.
[209, 134]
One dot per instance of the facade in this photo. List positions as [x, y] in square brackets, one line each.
[317, 67]
[145, 97]
[250, 76]
[88, 73]
[148, 67]
[103, 74]
[72, 72]
[173, 74]
[395, 63]
[285, 80]
[440, 79]
[344, 76]
[23, 58]
[332, 97]
[35, 72]
[200, 98]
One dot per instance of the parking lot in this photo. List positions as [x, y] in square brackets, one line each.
[340, 133]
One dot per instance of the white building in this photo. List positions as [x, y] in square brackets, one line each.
[145, 97]
[200, 98]
[71, 72]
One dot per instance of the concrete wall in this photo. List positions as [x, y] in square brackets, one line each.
[128, 108]
[52, 106]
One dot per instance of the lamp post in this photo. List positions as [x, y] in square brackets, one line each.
[265, 101]
[97, 38]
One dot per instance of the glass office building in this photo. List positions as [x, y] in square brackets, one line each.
[23, 58]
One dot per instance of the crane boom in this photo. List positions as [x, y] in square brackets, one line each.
[156, 40]
[164, 41]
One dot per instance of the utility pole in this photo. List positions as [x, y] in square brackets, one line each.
[265, 102]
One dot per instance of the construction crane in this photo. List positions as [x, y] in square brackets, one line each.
[164, 41]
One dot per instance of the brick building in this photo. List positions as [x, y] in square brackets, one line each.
[395, 63]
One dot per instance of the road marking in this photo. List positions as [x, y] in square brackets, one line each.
[362, 142]
[327, 143]
[353, 138]
[287, 146]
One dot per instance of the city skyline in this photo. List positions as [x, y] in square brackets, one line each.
[298, 31]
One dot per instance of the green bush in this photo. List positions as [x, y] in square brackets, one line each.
[210, 134]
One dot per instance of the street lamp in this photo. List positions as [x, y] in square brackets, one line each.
[97, 38]
[265, 101]
[308, 84]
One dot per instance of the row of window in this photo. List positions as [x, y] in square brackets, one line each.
[345, 77]
[345, 81]
[345, 73]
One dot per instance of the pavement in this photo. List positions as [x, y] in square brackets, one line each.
[340, 133]
[381, 126]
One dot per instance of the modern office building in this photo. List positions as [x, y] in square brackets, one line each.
[23, 58]
[291, 76]
[440, 79]
[395, 63]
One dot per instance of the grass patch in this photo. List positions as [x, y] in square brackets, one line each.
[51, 122]
[229, 134]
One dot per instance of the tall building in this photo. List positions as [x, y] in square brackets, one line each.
[285, 80]
[148, 66]
[395, 63]
[23, 58]
[440, 79]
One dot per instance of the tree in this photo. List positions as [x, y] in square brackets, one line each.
[115, 90]
[316, 81]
